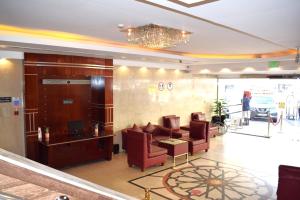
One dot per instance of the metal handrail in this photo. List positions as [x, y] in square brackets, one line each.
[8, 196]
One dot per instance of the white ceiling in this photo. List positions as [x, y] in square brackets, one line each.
[273, 20]
[222, 27]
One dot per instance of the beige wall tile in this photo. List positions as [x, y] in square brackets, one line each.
[137, 98]
[11, 126]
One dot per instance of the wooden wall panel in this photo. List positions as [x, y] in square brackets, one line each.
[108, 88]
[43, 103]
[55, 114]
[31, 111]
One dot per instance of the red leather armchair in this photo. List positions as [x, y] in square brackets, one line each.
[173, 122]
[288, 183]
[199, 116]
[199, 138]
[140, 151]
[158, 133]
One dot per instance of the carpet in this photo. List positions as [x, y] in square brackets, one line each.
[206, 179]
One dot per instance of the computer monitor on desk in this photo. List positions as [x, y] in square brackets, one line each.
[75, 128]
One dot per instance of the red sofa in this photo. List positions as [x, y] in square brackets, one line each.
[172, 122]
[199, 138]
[288, 183]
[141, 152]
[199, 116]
[158, 133]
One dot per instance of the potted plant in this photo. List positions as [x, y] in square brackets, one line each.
[219, 108]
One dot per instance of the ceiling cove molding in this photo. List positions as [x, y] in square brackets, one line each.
[233, 74]
[10, 34]
[134, 63]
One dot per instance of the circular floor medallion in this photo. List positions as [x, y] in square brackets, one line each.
[215, 183]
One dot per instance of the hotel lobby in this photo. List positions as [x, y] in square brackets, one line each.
[148, 99]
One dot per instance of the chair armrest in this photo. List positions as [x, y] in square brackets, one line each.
[176, 135]
[164, 131]
[124, 138]
[186, 127]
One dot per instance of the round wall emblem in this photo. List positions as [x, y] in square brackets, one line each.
[161, 86]
[170, 86]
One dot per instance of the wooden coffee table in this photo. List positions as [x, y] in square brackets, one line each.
[175, 148]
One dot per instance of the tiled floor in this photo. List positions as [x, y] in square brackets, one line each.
[259, 155]
[207, 179]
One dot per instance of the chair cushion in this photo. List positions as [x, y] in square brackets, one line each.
[149, 142]
[183, 133]
[136, 128]
[160, 137]
[198, 129]
[175, 123]
[166, 122]
[149, 128]
[157, 151]
[288, 183]
[213, 127]
[196, 142]
[198, 116]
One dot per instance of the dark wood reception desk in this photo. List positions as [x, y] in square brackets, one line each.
[66, 150]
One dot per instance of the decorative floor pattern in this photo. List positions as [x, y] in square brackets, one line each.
[206, 179]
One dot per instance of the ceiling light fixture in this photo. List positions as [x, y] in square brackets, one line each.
[155, 36]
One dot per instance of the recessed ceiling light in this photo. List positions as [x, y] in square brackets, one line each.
[225, 70]
[192, 3]
[143, 69]
[3, 46]
[2, 60]
[275, 69]
[123, 57]
[176, 71]
[161, 70]
[120, 25]
[123, 68]
[204, 71]
[249, 69]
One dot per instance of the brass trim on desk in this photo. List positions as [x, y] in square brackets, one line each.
[74, 141]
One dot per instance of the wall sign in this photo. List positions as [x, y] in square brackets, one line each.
[5, 99]
[170, 86]
[161, 86]
[68, 101]
[16, 101]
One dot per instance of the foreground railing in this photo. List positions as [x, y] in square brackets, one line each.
[26, 171]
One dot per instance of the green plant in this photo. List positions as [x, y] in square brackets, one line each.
[219, 107]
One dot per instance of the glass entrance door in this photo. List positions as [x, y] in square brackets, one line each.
[262, 107]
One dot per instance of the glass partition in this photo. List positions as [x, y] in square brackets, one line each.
[262, 107]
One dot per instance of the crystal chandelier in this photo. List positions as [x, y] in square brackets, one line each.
[155, 36]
